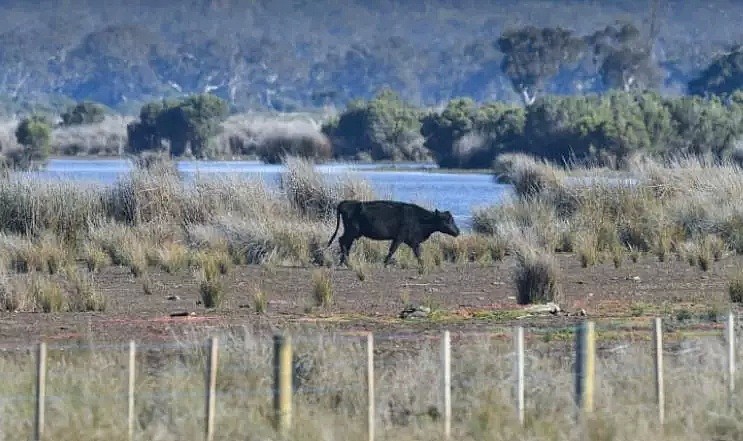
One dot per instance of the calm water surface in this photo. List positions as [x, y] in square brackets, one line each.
[459, 193]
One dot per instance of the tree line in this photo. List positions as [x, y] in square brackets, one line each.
[605, 129]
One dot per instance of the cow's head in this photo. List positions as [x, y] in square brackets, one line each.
[445, 223]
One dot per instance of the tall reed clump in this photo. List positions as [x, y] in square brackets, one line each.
[211, 287]
[31, 206]
[145, 195]
[312, 195]
[303, 140]
[528, 176]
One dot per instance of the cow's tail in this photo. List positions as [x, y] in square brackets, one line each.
[337, 223]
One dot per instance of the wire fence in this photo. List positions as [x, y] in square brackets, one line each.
[231, 359]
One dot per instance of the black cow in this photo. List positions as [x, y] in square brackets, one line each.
[399, 222]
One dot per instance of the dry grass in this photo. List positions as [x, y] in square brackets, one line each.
[688, 207]
[272, 136]
[30, 206]
[535, 275]
[312, 195]
[107, 138]
[153, 218]
[38, 292]
[735, 287]
[83, 293]
[89, 390]
[209, 272]
[529, 177]
[322, 288]
[260, 300]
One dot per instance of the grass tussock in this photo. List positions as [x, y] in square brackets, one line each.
[171, 257]
[210, 267]
[38, 292]
[95, 257]
[145, 195]
[735, 287]
[535, 276]
[124, 246]
[83, 295]
[24, 255]
[469, 248]
[45, 293]
[314, 196]
[322, 288]
[260, 300]
[211, 289]
[529, 177]
[32, 293]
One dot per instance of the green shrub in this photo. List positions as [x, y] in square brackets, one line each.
[85, 112]
[189, 123]
[466, 136]
[34, 135]
[385, 128]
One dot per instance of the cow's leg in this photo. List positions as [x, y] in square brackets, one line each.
[417, 251]
[345, 241]
[393, 247]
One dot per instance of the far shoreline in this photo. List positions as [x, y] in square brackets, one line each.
[378, 166]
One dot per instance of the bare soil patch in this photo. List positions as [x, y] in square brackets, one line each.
[463, 298]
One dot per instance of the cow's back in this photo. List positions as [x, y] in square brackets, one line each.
[380, 219]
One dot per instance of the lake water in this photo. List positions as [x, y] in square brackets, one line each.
[459, 193]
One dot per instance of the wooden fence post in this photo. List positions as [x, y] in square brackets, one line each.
[370, 384]
[132, 370]
[585, 352]
[40, 391]
[519, 347]
[211, 385]
[731, 358]
[282, 391]
[659, 393]
[446, 381]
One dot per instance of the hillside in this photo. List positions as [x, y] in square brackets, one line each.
[290, 55]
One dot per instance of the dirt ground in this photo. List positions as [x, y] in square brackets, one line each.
[469, 298]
